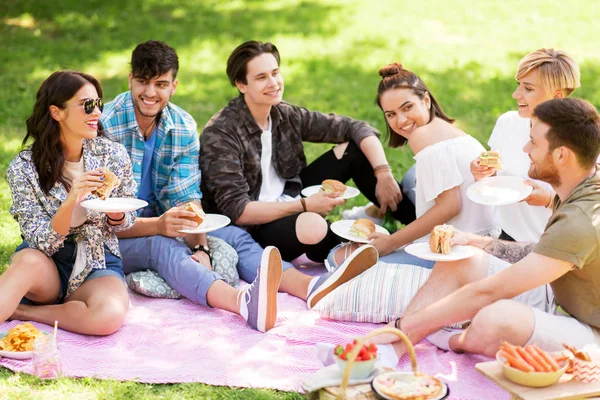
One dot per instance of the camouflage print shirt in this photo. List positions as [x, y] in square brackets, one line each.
[230, 151]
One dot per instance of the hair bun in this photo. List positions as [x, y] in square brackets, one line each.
[390, 70]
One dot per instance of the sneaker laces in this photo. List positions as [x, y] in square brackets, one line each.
[245, 291]
[347, 246]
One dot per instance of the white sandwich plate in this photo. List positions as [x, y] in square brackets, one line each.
[348, 194]
[499, 190]
[342, 229]
[212, 222]
[423, 251]
[114, 204]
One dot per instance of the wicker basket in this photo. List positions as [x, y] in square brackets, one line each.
[364, 391]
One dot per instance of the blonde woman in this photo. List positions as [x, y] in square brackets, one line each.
[541, 75]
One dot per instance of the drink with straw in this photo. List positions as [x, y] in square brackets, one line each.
[46, 357]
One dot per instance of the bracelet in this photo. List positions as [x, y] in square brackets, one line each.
[382, 167]
[382, 170]
[303, 202]
[116, 220]
[204, 249]
[398, 323]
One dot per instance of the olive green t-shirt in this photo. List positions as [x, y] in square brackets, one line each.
[573, 235]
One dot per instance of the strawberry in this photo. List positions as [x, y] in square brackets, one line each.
[349, 347]
[344, 356]
[372, 348]
[339, 349]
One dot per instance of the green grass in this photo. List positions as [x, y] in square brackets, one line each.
[466, 52]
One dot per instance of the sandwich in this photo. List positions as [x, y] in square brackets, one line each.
[362, 228]
[439, 241]
[491, 159]
[199, 216]
[333, 186]
[109, 183]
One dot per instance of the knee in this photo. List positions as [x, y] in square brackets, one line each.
[311, 228]
[34, 261]
[110, 318]
[339, 150]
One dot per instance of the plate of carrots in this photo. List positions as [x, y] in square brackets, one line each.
[530, 365]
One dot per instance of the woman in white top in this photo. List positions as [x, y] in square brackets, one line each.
[443, 154]
[541, 75]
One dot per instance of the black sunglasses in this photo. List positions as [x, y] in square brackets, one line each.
[90, 104]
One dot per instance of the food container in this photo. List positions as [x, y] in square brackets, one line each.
[532, 379]
[587, 371]
[360, 370]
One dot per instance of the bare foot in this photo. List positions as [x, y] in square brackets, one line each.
[399, 348]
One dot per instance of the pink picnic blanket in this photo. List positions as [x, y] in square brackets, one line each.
[168, 341]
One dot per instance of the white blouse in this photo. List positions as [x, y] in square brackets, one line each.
[443, 166]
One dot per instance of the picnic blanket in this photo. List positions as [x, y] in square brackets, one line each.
[169, 341]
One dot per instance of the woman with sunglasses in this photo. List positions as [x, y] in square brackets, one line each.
[68, 268]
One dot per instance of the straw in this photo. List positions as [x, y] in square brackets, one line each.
[55, 329]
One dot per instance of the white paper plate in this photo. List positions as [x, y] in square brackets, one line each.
[114, 204]
[401, 376]
[423, 251]
[348, 194]
[16, 355]
[499, 190]
[212, 222]
[342, 229]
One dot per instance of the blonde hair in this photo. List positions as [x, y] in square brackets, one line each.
[558, 71]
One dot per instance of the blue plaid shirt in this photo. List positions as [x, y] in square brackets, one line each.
[175, 171]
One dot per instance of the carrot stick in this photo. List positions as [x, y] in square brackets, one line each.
[552, 365]
[512, 350]
[515, 362]
[539, 358]
[530, 359]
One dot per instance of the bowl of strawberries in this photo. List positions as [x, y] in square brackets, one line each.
[363, 364]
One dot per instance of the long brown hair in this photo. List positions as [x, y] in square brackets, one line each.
[47, 151]
[394, 76]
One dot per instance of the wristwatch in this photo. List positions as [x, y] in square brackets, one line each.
[205, 249]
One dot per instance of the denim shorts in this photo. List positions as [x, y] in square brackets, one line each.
[64, 259]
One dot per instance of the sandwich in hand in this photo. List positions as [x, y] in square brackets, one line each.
[109, 183]
[362, 228]
[333, 186]
[439, 241]
[491, 159]
[199, 216]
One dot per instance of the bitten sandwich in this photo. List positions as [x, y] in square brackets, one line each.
[439, 241]
[200, 215]
[109, 183]
[362, 227]
[491, 159]
[333, 186]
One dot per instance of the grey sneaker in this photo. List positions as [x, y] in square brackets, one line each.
[359, 261]
[261, 295]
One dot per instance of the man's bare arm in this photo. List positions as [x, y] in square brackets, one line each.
[508, 251]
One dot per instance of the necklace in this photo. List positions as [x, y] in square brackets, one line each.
[148, 131]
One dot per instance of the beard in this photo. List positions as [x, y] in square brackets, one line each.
[138, 108]
[546, 171]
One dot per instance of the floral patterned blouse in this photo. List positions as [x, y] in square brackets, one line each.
[34, 210]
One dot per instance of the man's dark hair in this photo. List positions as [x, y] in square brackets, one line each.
[574, 123]
[152, 59]
[237, 63]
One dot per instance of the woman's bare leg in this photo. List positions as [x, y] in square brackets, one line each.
[98, 307]
[32, 274]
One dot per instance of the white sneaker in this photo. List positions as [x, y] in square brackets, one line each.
[369, 212]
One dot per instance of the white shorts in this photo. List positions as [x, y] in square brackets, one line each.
[552, 326]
